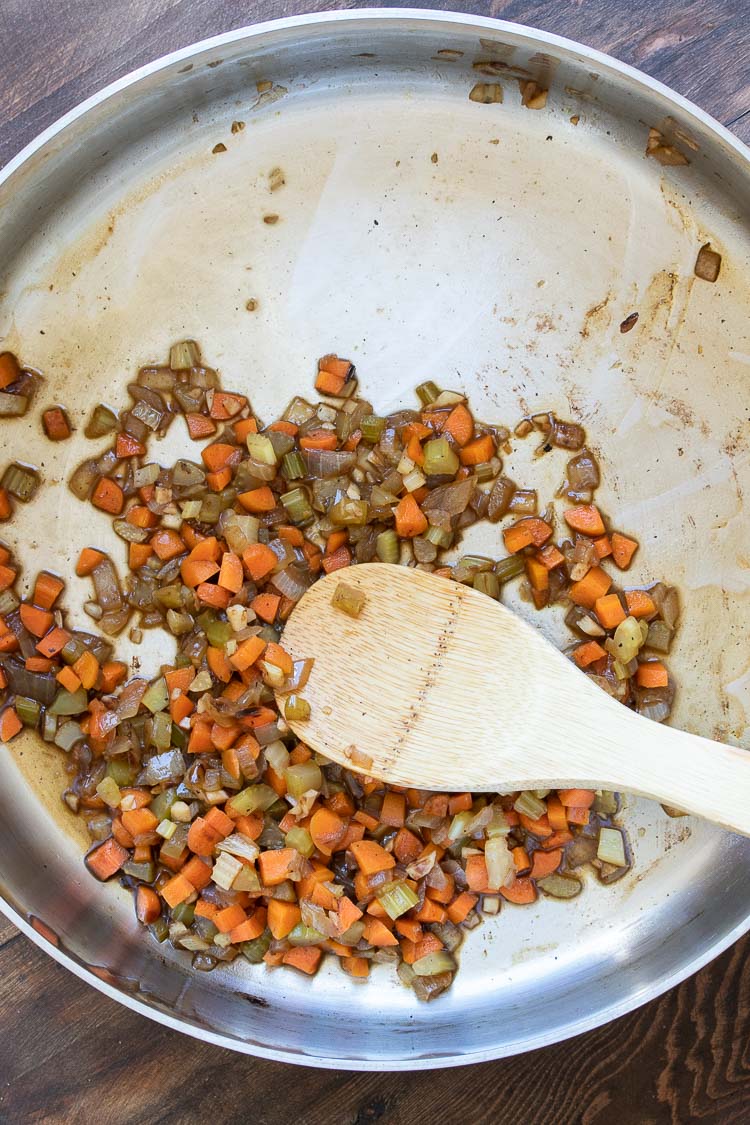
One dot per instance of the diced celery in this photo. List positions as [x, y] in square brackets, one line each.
[255, 797]
[427, 393]
[505, 569]
[487, 583]
[28, 710]
[305, 935]
[156, 696]
[302, 778]
[256, 950]
[611, 847]
[298, 506]
[386, 546]
[293, 466]
[439, 962]
[161, 734]
[109, 791]
[438, 536]
[261, 449]
[349, 513]
[349, 599]
[70, 702]
[184, 913]
[529, 805]
[166, 828]
[296, 709]
[396, 898]
[372, 428]
[301, 840]
[439, 458]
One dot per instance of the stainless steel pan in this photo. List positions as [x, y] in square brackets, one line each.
[503, 265]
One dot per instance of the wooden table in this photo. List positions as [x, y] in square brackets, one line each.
[67, 1053]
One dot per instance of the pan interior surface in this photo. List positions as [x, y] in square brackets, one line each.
[495, 249]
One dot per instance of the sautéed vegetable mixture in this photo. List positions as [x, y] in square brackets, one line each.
[235, 839]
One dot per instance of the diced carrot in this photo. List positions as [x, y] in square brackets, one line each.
[218, 662]
[206, 549]
[460, 425]
[247, 653]
[56, 425]
[86, 668]
[54, 642]
[556, 814]
[640, 604]
[593, 585]
[37, 621]
[579, 816]
[284, 427]
[521, 861]
[259, 560]
[521, 891]
[545, 863]
[139, 554]
[378, 934]
[194, 572]
[578, 798]
[228, 918]
[219, 481]
[538, 574]
[88, 560]
[336, 539]
[177, 890]
[319, 439]
[603, 547]
[430, 912]
[282, 917]
[10, 724]
[197, 872]
[477, 451]
[220, 456]
[348, 913]
[393, 810]
[251, 928]
[476, 874]
[609, 611]
[414, 450]
[167, 544]
[540, 827]
[623, 550]
[306, 958]
[459, 802]
[180, 707]
[204, 909]
[244, 427]
[406, 846]
[67, 678]
[141, 516]
[371, 858]
[199, 426]
[588, 653]
[652, 674]
[327, 830]
[340, 558]
[10, 369]
[586, 519]
[265, 606]
[106, 859]
[410, 519]
[328, 383]
[225, 405]
[7, 577]
[202, 838]
[138, 822]
[274, 866]
[108, 496]
[461, 907]
[358, 967]
[47, 589]
[127, 446]
[341, 368]
[290, 534]
[550, 557]
[526, 532]
[147, 905]
[231, 575]
[37, 664]
[215, 596]
[218, 822]
[6, 506]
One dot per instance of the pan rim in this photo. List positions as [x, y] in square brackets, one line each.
[339, 19]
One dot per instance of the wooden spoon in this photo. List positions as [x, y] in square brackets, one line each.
[439, 687]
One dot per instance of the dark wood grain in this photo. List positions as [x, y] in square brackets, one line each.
[69, 1054]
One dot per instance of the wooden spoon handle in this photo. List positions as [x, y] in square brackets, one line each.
[709, 779]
